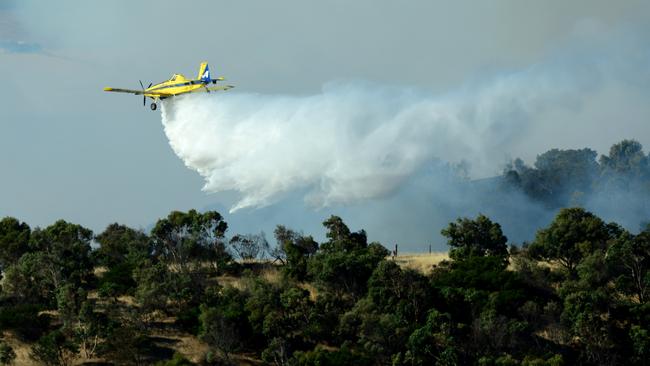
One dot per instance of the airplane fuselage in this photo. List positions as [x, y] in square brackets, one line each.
[178, 84]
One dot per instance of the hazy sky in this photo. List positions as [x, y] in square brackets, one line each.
[69, 150]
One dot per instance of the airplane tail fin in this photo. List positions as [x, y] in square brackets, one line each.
[204, 72]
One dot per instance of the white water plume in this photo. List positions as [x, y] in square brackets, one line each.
[351, 142]
[356, 141]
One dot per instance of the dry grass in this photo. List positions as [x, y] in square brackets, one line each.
[271, 274]
[21, 349]
[313, 292]
[422, 262]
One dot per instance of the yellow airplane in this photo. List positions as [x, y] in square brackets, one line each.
[176, 85]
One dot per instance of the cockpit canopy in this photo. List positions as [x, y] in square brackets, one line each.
[177, 77]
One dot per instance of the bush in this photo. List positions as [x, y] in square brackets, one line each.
[25, 320]
[7, 354]
[322, 357]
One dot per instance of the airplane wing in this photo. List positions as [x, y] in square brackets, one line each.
[222, 87]
[150, 94]
[209, 89]
[118, 90]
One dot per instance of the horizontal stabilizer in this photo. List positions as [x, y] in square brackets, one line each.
[222, 87]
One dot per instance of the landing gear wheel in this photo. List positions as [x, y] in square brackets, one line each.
[153, 106]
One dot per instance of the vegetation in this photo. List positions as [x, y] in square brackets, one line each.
[187, 293]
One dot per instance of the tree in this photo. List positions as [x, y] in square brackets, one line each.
[54, 349]
[341, 238]
[69, 300]
[345, 272]
[405, 293]
[249, 246]
[296, 249]
[557, 176]
[567, 171]
[626, 160]
[380, 335]
[159, 287]
[224, 323]
[479, 237]
[632, 255]
[287, 325]
[118, 280]
[14, 241]
[29, 280]
[127, 344]
[320, 356]
[574, 234]
[66, 253]
[433, 342]
[90, 328]
[345, 262]
[590, 308]
[55, 274]
[182, 238]
[119, 245]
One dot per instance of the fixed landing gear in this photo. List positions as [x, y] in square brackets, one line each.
[154, 106]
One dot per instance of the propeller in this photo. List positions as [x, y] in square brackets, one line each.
[144, 97]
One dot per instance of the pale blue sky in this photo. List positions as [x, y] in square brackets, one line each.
[69, 150]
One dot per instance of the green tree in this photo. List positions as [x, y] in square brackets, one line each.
[14, 241]
[69, 300]
[66, 253]
[573, 235]
[557, 175]
[91, 329]
[380, 335]
[406, 293]
[625, 160]
[565, 172]
[343, 273]
[127, 344]
[433, 343]
[288, 326]
[296, 249]
[341, 239]
[224, 324]
[54, 349]
[120, 245]
[118, 280]
[320, 356]
[29, 280]
[589, 306]
[183, 238]
[631, 254]
[160, 288]
[479, 237]
[345, 262]
[640, 341]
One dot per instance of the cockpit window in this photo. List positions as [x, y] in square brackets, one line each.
[173, 78]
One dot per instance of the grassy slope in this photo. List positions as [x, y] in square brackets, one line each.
[167, 336]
